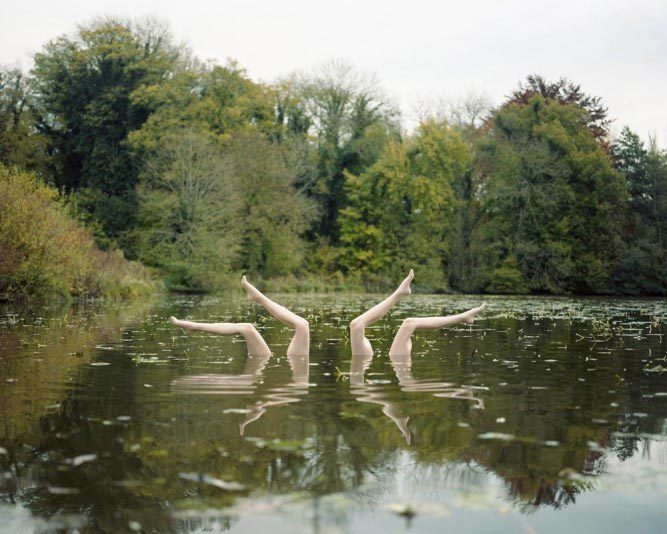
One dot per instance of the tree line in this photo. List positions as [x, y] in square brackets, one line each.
[199, 172]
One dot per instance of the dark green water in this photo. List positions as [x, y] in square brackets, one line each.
[112, 420]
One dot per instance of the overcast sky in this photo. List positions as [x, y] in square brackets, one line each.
[418, 49]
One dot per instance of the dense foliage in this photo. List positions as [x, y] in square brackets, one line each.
[199, 171]
[45, 253]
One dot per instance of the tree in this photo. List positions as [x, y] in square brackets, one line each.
[401, 210]
[642, 266]
[84, 87]
[350, 121]
[20, 143]
[218, 100]
[208, 211]
[187, 212]
[549, 201]
[271, 215]
[565, 92]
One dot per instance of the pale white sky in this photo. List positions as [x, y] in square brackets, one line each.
[418, 49]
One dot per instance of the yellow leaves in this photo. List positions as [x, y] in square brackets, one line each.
[43, 251]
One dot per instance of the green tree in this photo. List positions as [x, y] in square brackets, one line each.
[272, 216]
[596, 118]
[84, 87]
[401, 210]
[217, 100]
[549, 200]
[642, 266]
[20, 143]
[350, 122]
[187, 213]
[207, 211]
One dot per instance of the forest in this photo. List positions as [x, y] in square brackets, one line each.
[129, 164]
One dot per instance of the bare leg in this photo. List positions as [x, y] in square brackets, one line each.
[402, 344]
[300, 344]
[254, 341]
[360, 344]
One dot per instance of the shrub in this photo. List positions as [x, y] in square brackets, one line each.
[46, 254]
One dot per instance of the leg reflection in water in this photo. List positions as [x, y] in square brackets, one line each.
[375, 394]
[246, 384]
[288, 394]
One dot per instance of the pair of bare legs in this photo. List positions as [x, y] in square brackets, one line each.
[402, 344]
[299, 345]
[400, 355]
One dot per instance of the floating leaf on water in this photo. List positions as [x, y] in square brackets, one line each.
[211, 481]
[285, 445]
[127, 483]
[594, 446]
[100, 364]
[123, 418]
[496, 435]
[500, 420]
[551, 443]
[3, 450]
[82, 459]
[236, 410]
[147, 386]
[56, 490]
[134, 526]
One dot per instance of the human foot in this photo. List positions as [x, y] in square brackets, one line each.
[404, 288]
[185, 325]
[469, 316]
[252, 293]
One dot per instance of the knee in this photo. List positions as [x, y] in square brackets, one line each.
[302, 324]
[408, 325]
[355, 325]
[247, 328]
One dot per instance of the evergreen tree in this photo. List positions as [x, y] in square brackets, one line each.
[642, 266]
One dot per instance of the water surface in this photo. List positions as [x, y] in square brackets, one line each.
[545, 415]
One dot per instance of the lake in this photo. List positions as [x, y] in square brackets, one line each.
[545, 415]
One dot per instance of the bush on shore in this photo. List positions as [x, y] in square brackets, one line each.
[45, 254]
